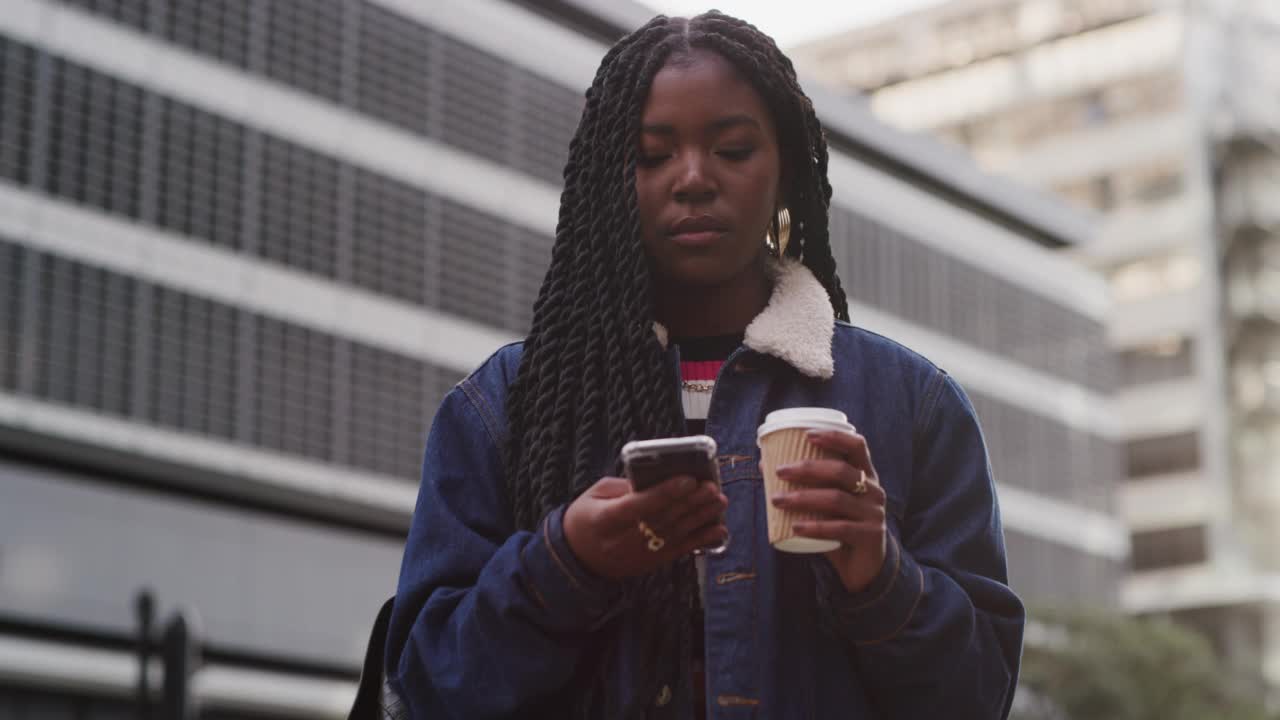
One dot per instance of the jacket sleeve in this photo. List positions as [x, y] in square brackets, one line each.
[939, 632]
[487, 621]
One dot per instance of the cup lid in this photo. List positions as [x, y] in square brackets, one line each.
[818, 418]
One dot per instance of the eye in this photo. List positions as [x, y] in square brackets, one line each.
[652, 160]
[736, 154]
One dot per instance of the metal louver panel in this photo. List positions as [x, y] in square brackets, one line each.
[110, 343]
[891, 270]
[306, 46]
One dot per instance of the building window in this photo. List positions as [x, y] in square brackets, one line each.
[1167, 548]
[1150, 183]
[1167, 359]
[1153, 277]
[1163, 454]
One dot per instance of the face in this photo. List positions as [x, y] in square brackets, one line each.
[707, 174]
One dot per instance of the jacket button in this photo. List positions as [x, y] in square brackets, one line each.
[664, 696]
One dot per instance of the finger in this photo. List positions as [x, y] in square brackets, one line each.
[709, 513]
[708, 536]
[695, 502]
[847, 532]
[832, 474]
[851, 446]
[833, 503]
[649, 503]
[607, 488]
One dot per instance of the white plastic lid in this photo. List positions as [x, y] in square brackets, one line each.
[816, 418]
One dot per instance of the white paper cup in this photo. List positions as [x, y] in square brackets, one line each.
[782, 440]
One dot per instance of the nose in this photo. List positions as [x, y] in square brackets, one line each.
[694, 184]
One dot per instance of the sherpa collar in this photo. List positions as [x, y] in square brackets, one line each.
[796, 326]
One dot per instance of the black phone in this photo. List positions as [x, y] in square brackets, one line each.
[648, 462]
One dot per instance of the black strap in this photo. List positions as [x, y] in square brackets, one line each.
[368, 704]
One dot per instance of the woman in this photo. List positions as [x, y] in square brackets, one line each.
[529, 586]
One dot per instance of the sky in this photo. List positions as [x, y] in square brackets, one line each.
[795, 21]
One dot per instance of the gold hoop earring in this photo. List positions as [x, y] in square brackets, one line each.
[784, 230]
[779, 233]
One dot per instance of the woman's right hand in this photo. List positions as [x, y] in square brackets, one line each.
[603, 526]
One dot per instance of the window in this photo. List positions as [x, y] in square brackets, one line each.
[1153, 277]
[1168, 548]
[1163, 454]
[134, 13]
[390, 244]
[300, 204]
[95, 140]
[1150, 183]
[17, 98]
[1167, 359]
[193, 356]
[1044, 572]
[392, 401]
[1147, 95]
[218, 28]
[1022, 444]
[399, 70]
[304, 45]
[293, 394]
[1081, 193]
[200, 175]
[1255, 370]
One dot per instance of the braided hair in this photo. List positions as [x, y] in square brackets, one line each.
[593, 374]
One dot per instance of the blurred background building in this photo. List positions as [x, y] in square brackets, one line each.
[1164, 117]
[247, 246]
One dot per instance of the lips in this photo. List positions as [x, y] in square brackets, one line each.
[697, 230]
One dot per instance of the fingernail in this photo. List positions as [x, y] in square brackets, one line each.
[686, 483]
[786, 470]
[779, 500]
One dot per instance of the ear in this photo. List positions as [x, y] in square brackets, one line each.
[785, 175]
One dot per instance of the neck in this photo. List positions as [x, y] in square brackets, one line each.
[712, 310]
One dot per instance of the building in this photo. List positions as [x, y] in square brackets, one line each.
[1161, 116]
[247, 246]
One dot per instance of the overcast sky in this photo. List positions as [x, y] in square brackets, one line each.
[795, 21]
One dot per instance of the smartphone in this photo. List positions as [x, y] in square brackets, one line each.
[648, 462]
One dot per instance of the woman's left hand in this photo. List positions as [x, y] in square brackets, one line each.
[847, 496]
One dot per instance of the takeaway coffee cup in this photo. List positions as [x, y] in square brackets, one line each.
[782, 441]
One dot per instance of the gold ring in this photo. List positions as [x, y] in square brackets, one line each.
[656, 542]
[860, 487]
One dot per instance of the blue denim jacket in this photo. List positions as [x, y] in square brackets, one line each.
[492, 623]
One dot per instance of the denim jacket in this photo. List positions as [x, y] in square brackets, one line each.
[490, 622]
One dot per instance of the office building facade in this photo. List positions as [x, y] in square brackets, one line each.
[1161, 117]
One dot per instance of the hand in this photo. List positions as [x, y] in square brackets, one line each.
[603, 525]
[854, 517]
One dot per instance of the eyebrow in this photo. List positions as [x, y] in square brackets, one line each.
[722, 124]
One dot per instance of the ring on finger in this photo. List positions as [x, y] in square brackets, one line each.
[860, 487]
[656, 542]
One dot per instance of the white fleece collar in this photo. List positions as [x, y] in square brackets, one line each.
[796, 326]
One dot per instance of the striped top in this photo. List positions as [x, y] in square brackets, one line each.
[697, 378]
[700, 363]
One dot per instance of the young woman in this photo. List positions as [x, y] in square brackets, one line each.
[530, 585]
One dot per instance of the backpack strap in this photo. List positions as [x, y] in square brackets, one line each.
[375, 700]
